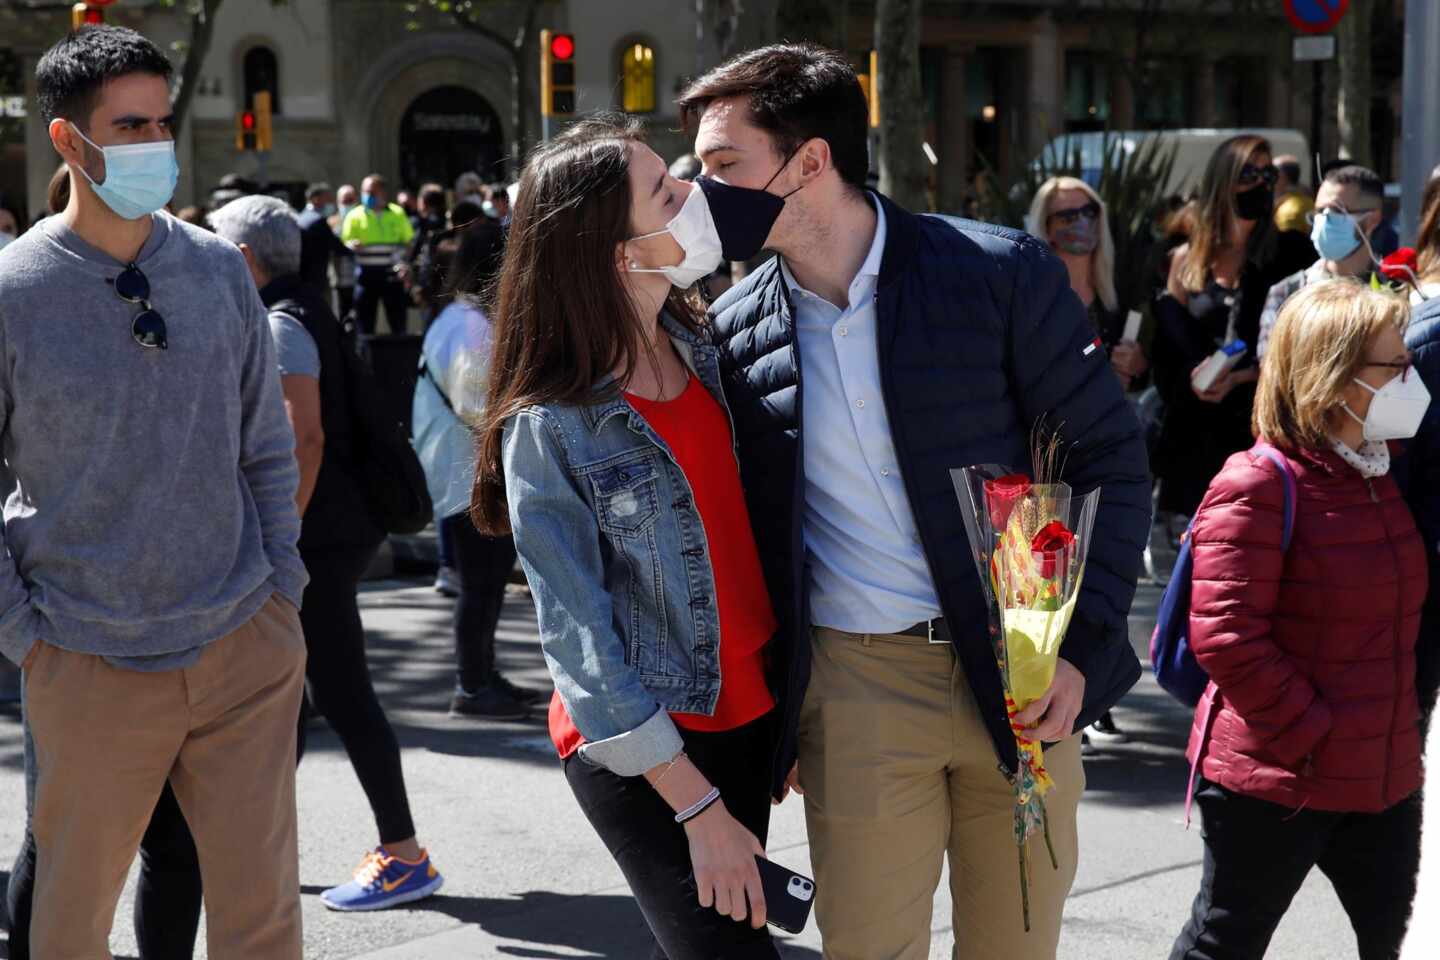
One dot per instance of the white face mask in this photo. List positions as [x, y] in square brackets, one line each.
[6, 239]
[1397, 408]
[694, 229]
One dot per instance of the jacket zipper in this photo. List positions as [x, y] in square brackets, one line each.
[1395, 638]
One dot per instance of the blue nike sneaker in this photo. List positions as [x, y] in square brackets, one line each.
[382, 881]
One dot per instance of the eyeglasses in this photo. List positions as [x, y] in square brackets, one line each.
[1091, 211]
[148, 327]
[1311, 215]
[1404, 366]
[1251, 174]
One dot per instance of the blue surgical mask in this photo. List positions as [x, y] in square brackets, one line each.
[140, 178]
[1335, 235]
[327, 211]
[371, 201]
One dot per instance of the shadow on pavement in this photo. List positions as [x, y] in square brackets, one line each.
[605, 925]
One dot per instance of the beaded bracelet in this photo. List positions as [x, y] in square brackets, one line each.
[698, 807]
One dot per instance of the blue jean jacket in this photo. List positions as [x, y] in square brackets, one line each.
[615, 552]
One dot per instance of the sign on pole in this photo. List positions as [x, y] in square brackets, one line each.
[1314, 48]
[1315, 16]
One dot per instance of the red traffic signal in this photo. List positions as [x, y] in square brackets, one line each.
[247, 121]
[562, 46]
[89, 14]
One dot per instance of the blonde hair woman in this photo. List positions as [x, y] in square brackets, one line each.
[1214, 296]
[1307, 739]
[1069, 215]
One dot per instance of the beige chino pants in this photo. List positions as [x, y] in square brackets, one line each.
[899, 772]
[223, 732]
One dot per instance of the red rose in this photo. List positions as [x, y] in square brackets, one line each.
[1001, 496]
[1402, 265]
[1051, 549]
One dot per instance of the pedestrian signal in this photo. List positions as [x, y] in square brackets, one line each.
[252, 127]
[557, 74]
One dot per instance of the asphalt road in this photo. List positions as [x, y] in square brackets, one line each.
[525, 877]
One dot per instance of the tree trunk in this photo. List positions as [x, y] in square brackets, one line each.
[1353, 110]
[902, 162]
[526, 67]
[202, 28]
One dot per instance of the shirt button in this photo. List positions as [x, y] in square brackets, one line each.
[860, 404]
[844, 331]
[884, 471]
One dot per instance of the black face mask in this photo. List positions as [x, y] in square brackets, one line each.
[744, 216]
[1257, 203]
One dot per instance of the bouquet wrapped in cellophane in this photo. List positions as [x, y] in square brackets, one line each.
[1029, 537]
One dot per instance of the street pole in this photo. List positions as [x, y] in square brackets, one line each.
[1420, 121]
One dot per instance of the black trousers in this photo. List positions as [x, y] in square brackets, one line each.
[483, 564]
[337, 677]
[640, 831]
[374, 286]
[1257, 854]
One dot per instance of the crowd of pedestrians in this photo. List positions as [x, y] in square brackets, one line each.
[733, 509]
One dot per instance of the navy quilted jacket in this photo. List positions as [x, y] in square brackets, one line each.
[979, 336]
[1418, 473]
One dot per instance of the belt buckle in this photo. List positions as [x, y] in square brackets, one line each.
[930, 634]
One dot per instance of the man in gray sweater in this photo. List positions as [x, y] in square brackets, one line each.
[153, 582]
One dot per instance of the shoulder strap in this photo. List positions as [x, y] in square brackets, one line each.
[1276, 457]
[434, 382]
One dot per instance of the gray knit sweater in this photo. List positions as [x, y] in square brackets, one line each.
[151, 493]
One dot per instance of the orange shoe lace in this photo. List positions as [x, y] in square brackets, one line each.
[370, 868]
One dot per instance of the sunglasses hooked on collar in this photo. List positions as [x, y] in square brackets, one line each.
[148, 327]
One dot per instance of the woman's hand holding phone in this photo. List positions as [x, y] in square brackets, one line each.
[722, 850]
[723, 854]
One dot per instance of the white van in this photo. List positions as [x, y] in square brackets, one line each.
[1193, 148]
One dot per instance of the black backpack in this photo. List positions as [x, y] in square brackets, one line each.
[389, 472]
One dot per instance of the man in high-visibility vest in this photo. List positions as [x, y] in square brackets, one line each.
[379, 232]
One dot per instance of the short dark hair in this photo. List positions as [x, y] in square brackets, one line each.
[797, 92]
[318, 190]
[432, 197]
[1363, 179]
[71, 74]
[1291, 170]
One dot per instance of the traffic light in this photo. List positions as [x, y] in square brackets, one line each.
[89, 13]
[264, 132]
[245, 131]
[252, 127]
[557, 74]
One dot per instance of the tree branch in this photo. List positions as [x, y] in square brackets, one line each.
[202, 29]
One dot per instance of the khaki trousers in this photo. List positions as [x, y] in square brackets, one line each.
[898, 773]
[223, 732]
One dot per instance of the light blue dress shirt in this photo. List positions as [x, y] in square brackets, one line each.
[865, 569]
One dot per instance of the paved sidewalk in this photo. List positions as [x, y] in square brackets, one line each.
[527, 878]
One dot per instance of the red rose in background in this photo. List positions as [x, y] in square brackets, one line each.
[1402, 266]
[1001, 496]
[1051, 549]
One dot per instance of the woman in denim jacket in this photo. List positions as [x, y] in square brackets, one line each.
[607, 450]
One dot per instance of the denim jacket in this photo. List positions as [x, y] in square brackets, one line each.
[615, 552]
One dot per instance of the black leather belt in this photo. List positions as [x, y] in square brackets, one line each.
[934, 631]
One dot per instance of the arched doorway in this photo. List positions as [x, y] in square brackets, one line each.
[446, 131]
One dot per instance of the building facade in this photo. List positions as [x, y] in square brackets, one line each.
[405, 90]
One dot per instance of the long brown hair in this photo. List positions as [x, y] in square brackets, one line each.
[1215, 217]
[563, 320]
[1427, 244]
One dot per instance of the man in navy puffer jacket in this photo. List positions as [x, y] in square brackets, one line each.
[877, 352]
[1418, 474]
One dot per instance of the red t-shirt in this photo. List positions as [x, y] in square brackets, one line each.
[698, 432]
